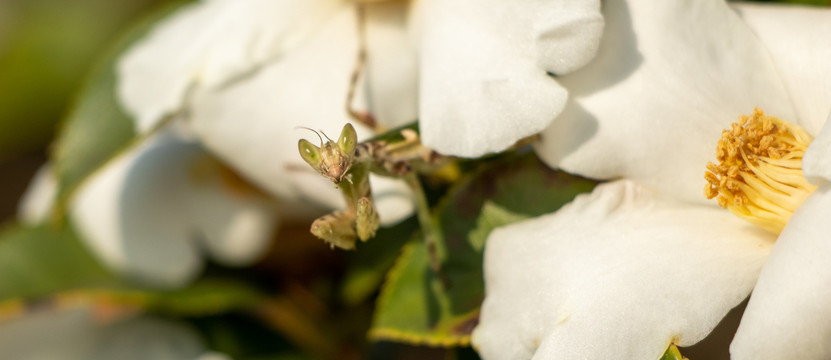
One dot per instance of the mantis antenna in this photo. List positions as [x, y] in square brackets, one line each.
[316, 133]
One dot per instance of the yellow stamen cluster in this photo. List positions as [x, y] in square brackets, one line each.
[759, 173]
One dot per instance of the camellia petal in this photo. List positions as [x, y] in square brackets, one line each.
[566, 33]
[392, 63]
[211, 355]
[139, 214]
[788, 314]
[129, 214]
[77, 334]
[483, 68]
[235, 221]
[37, 201]
[23, 337]
[235, 230]
[652, 105]
[816, 164]
[255, 124]
[210, 44]
[149, 338]
[393, 201]
[617, 274]
[789, 32]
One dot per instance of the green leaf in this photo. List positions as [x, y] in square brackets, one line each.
[414, 308]
[372, 260]
[801, 2]
[97, 128]
[37, 261]
[418, 307]
[673, 354]
[47, 261]
[46, 47]
[492, 217]
[205, 297]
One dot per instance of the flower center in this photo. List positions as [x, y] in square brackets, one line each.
[759, 173]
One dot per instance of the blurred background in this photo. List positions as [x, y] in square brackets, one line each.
[47, 47]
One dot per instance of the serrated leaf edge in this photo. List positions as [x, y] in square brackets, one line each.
[418, 339]
[394, 273]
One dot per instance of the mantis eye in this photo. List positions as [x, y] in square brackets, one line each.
[348, 139]
[310, 153]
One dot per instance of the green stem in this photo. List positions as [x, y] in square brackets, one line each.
[433, 236]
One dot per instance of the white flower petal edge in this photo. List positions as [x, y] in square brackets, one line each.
[254, 124]
[619, 273]
[37, 201]
[816, 164]
[76, 334]
[233, 222]
[146, 337]
[213, 356]
[143, 213]
[211, 43]
[793, 291]
[789, 32]
[393, 201]
[483, 68]
[391, 78]
[652, 104]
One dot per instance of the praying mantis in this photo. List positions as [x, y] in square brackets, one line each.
[348, 164]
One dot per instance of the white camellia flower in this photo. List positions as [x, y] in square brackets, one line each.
[153, 211]
[78, 333]
[648, 261]
[247, 73]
